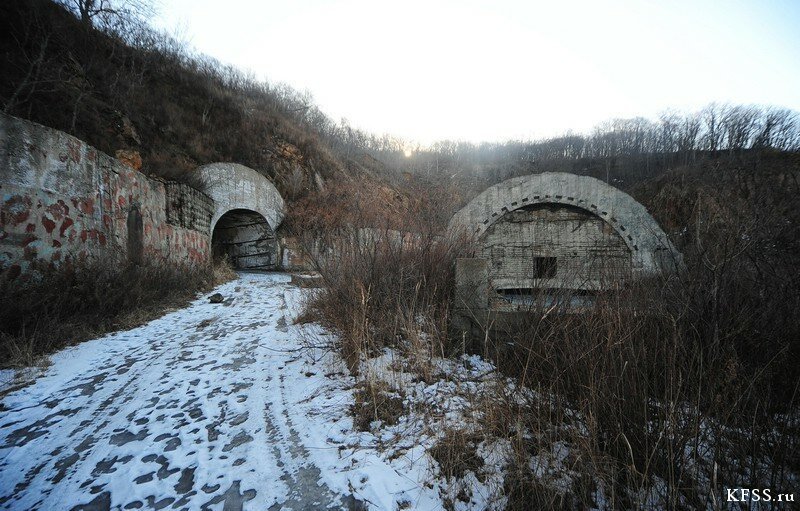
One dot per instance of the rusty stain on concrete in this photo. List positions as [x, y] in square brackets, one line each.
[63, 201]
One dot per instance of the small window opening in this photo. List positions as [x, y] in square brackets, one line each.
[544, 267]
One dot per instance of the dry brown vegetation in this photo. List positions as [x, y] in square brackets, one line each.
[64, 306]
[665, 393]
[390, 265]
[456, 453]
[126, 86]
[375, 401]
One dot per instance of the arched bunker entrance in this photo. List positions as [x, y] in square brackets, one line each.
[247, 210]
[554, 246]
[555, 231]
[245, 238]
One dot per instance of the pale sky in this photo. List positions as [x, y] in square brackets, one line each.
[503, 69]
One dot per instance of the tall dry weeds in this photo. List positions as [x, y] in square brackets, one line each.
[59, 307]
[663, 393]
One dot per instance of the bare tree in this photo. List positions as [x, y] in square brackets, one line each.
[108, 12]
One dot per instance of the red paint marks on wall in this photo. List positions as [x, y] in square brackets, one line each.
[93, 235]
[15, 210]
[29, 253]
[56, 244]
[66, 224]
[74, 148]
[121, 202]
[48, 224]
[58, 210]
[30, 228]
[86, 206]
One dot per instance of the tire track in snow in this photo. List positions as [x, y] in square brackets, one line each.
[188, 411]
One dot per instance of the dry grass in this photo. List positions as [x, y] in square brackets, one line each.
[375, 292]
[62, 307]
[664, 393]
[375, 401]
[456, 453]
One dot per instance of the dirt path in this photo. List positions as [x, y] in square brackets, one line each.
[194, 410]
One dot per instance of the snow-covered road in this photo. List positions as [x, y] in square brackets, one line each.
[209, 407]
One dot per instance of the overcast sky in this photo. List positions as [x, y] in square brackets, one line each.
[494, 70]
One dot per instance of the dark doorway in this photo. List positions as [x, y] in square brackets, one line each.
[246, 239]
[135, 236]
[544, 267]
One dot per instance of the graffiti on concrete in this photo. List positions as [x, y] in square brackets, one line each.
[63, 201]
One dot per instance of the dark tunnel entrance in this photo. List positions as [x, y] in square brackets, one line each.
[246, 239]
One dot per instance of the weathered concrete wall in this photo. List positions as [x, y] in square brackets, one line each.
[585, 252]
[246, 239]
[294, 256]
[651, 250]
[472, 285]
[247, 210]
[188, 207]
[234, 186]
[62, 200]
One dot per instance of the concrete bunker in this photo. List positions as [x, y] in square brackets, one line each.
[554, 234]
[66, 202]
[553, 246]
[247, 210]
[246, 239]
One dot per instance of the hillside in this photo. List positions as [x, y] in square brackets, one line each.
[140, 91]
[131, 88]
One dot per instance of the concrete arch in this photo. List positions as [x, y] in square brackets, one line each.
[651, 250]
[245, 239]
[233, 186]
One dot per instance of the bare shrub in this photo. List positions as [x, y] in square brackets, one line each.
[63, 306]
[387, 274]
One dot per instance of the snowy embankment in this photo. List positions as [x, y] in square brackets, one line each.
[228, 405]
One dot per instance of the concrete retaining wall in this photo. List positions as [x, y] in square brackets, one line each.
[62, 200]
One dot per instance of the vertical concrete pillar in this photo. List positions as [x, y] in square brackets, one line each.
[471, 296]
[472, 284]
